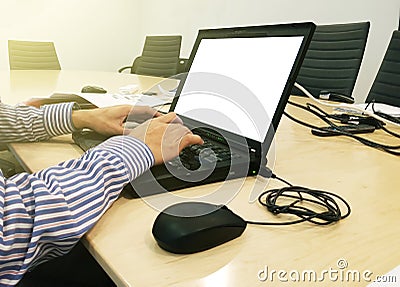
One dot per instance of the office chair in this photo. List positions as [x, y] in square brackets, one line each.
[160, 57]
[386, 86]
[27, 55]
[333, 59]
[182, 65]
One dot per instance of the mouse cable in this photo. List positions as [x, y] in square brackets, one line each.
[301, 200]
[387, 148]
[347, 107]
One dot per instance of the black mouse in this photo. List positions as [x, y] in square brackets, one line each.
[93, 89]
[190, 227]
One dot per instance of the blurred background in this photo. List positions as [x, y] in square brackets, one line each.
[106, 35]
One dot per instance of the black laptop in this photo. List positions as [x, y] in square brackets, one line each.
[234, 94]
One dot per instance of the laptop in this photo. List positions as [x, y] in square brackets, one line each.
[234, 94]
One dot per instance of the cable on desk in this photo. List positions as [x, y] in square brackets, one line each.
[356, 119]
[386, 116]
[391, 132]
[348, 118]
[316, 111]
[348, 107]
[322, 206]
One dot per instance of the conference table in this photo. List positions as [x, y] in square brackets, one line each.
[352, 252]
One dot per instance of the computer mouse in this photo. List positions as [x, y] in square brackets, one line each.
[93, 89]
[190, 227]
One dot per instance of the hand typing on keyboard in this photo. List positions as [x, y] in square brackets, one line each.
[206, 155]
[166, 136]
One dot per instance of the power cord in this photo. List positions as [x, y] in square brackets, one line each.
[323, 116]
[347, 107]
[382, 114]
[315, 206]
[385, 116]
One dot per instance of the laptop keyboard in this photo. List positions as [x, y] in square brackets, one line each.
[191, 157]
[209, 153]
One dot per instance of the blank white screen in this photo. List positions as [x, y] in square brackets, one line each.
[262, 64]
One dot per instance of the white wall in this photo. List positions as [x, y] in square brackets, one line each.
[105, 35]
[195, 14]
[88, 34]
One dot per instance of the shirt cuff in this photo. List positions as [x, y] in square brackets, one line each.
[58, 118]
[136, 155]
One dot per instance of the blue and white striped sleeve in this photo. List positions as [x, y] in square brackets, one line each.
[26, 123]
[44, 214]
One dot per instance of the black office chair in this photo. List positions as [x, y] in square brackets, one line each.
[160, 57]
[386, 86]
[31, 55]
[333, 59]
[182, 65]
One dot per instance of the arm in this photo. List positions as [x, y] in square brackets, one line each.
[26, 123]
[43, 215]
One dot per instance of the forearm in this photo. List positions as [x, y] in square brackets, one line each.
[26, 123]
[54, 208]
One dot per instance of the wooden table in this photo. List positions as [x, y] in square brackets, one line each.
[368, 240]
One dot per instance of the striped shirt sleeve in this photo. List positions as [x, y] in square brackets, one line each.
[26, 123]
[44, 214]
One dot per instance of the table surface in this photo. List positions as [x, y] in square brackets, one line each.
[367, 178]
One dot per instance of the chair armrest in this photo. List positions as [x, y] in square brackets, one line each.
[134, 66]
[124, 68]
[182, 65]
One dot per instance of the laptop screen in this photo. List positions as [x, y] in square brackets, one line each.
[242, 80]
[239, 82]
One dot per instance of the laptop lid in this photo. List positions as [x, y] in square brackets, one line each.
[239, 80]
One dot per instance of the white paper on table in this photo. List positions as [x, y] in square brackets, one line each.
[384, 108]
[107, 99]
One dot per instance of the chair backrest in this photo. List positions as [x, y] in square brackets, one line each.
[28, 55]
[386, 86]
[160, 56]
[333, 59]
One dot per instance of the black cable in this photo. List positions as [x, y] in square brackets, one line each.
[387, 117]
[382, 114]
[387, 148]
[350, 119]
[280, 179]
[327, 209]
[391, 132]
[308, 109]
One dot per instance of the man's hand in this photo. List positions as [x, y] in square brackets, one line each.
[110, 121]
[166, 136]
